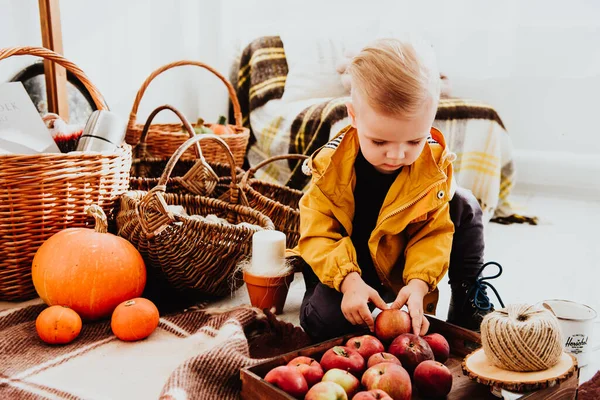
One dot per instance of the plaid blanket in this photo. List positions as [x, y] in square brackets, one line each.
[473, 130]
[195, 354]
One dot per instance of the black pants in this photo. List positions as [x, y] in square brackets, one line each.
[321, 314]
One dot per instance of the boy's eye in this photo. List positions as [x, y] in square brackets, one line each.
[415, 142]
[378, 142]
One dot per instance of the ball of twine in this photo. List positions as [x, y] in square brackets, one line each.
[522, 338]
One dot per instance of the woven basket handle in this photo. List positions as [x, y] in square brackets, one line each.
[200, 178]
[60, 60]
[194, 181]
[237, 112]
[184, 147]
[154, 200]
[250, 173]
[140, 148]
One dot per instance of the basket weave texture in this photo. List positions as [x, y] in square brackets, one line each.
[164, 139]
[42, 194]
[279, 203]
[193, 175]
[197, 258]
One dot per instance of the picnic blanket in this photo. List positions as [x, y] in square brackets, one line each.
[193, 354]
[473, 130]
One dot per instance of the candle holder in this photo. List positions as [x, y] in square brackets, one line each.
[268, 292]
[267, 274]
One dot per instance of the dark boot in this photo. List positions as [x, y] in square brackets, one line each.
[469, 302]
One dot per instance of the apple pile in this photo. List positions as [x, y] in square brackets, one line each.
[364, 369]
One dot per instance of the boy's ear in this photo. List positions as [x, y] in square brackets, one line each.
[351, 114]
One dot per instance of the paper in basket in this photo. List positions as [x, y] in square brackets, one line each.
[22, 130]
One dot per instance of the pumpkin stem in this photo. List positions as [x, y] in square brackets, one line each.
[95, 211]
[129, 303]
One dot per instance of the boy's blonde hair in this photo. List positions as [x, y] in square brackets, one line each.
[396, 77]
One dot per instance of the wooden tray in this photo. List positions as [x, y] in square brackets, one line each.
[462, 342]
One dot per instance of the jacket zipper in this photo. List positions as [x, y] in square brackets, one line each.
[412, 202]
[398, 210]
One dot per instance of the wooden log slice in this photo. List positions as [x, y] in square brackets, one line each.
[478, 368]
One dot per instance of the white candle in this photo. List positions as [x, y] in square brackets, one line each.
[268, 253]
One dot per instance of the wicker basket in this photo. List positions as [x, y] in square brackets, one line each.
[279, 203]
[42, 194]
[195, 257]
[193, 176]
[164, 139]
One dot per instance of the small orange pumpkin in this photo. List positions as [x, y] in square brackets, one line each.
[221, 127]
[58, 325]
[88, 270]
[134, 319]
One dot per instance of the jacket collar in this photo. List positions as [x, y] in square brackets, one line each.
[338, 175]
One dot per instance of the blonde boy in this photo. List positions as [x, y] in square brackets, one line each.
[376, 219]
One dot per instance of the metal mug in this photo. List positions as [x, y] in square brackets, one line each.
[577, 325]
[104, 131]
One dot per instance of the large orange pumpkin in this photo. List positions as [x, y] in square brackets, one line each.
[134, 319]
[89, 270]
[58, 325]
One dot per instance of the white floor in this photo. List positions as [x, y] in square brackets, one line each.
[557, 259]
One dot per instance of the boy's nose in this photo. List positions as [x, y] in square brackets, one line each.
[396, 153]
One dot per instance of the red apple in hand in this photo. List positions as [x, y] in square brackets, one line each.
[288, 379]
[326, 391]
[433, 379]
[411, 350]
[382, 357]
[391, 378]
[309, 367]
[343, 358]
[439, 345]
[345, 379]
[366, 345]
[372, 394]
[391, 323]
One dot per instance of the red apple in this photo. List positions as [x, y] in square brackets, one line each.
[326, 391]
[372, 394]
[391, 323]
[288, 379]
[309, 367]
[439, 345]
[345, 358]
[433, 379]
[366, 345]
[389, 377]
[382, 357]
[411, 350]
[345, 379]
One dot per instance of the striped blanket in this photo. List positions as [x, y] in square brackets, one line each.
[473, 130]
[195, 354]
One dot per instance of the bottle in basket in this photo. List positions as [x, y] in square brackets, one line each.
[104, 131]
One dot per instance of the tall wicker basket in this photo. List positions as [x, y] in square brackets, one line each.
[164, 139]
[42, 194]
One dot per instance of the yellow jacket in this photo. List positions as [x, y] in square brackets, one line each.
[413, 220]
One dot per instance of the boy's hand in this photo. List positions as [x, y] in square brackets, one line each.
[412, 295]
[356, 298]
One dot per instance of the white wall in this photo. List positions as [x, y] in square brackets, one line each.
[537, 62]
[119, 43]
